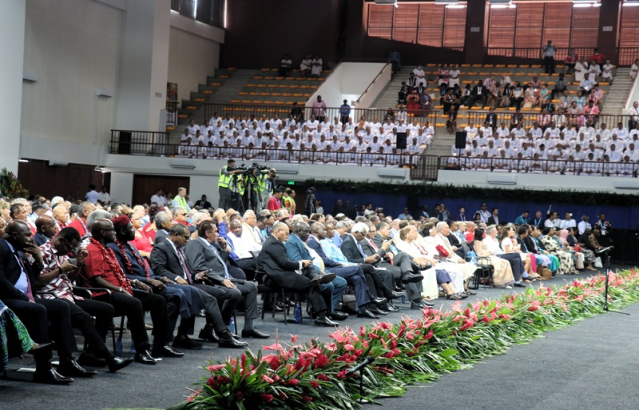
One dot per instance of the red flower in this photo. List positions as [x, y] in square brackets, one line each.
[467, 325]
[215, 368]
[211, 382]
[323, 377]
[301, 363]
[307, 399]
[341, 375]
[429, 335]
[321, 362]
[239, 396]
[294, 338]
[267, 379]
[314, 385]
[267, 397]
[293, 382]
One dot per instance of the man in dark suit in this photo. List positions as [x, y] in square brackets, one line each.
[203, 203]
[538, 220]
[274, 261]
[45, 230]
[168, 260]
[479, 92]
[353, 251]
[181, 301]
[204, 254]
[353, 274]
[493, 219]
[381, 239]
[163, 223]
[297, 250]
[18, 278]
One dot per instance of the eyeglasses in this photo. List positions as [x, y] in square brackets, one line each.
[186, 237]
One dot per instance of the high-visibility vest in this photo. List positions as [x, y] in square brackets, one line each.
[181, 202]
[225, 180]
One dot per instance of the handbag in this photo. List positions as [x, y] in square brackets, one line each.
[598, 263]
[442, 251]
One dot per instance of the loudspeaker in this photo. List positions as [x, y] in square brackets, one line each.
[460, 140]
[401, 140]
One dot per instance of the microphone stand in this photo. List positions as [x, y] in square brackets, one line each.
[606, 251]
[360, 367]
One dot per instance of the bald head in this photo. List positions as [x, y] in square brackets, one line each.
[46, 226]
[102, 229]
[236, 227]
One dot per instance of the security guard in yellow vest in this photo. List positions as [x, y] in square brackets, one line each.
[224, 184]
[180, 200]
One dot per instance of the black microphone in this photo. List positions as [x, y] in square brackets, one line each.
[361, 365]
[606, 249]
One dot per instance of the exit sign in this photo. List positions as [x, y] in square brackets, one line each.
[291, 182]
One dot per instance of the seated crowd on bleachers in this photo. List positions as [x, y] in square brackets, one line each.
[316, 139]
[554, 144]
[175, 262]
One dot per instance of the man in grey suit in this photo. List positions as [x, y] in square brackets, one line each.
[204, 254]
[380, 236]
[163, 224]
[168, 260]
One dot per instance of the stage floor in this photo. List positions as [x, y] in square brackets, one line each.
[591, 365]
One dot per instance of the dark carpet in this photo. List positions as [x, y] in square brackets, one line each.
[591, 365]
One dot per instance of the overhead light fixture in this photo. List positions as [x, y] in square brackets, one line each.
[581, 5]
[456, 6]
[100, 168]
[23, 160]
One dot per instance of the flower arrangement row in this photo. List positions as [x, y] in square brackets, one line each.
[316, 374]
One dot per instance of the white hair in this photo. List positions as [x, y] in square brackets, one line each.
[248, 213]
[360, 227]
[441, 226]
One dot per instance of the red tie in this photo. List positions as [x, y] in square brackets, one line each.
[376, 248]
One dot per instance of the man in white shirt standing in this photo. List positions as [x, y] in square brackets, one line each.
[104, 196]
[419, 75]
[634, 115]
[583, 225]
[159, 198]
[568, 222]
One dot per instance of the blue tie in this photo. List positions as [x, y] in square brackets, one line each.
[219, 258]
[361, 250]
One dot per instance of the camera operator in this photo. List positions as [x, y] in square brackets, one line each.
[224, 183]
[267, 185]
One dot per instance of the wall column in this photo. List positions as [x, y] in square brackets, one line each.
[476, 31]
[12, 24]
[144, 69]
[609, 19]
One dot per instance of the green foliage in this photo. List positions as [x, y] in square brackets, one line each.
[10, 185]
[432, 190]
[314, 375]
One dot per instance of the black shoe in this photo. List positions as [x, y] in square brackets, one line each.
[326, 322]
[254, 334]
[396, 295]
[89, 359]
[412, 278]
[321, 279]
[70, 368]
[117, 363]
[417, 306]
[367, 314]
[338, 316]
[227, 341]
[427, 303]
[378, 311]
[145, 358]
[208, 335]
[51, 377]
[166, 351]
[519, 285]
[391, 308]
[377, 300]
[185, 342]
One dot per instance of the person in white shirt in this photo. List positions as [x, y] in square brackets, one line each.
[607, 72]
[536, 132]
[583, 225]
[159, 198]
[586, 84]
[453, 76]
[502, 131]
[621, 132]
[192, 128]
[420, 78]
[316, 66]
[471, 130]
[104, 196]
[305, 66]
[634, 115]
[568, 222]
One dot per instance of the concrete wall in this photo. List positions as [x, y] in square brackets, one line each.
[73, 46]
[194, 53]
[348, 81]
[368, 98]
